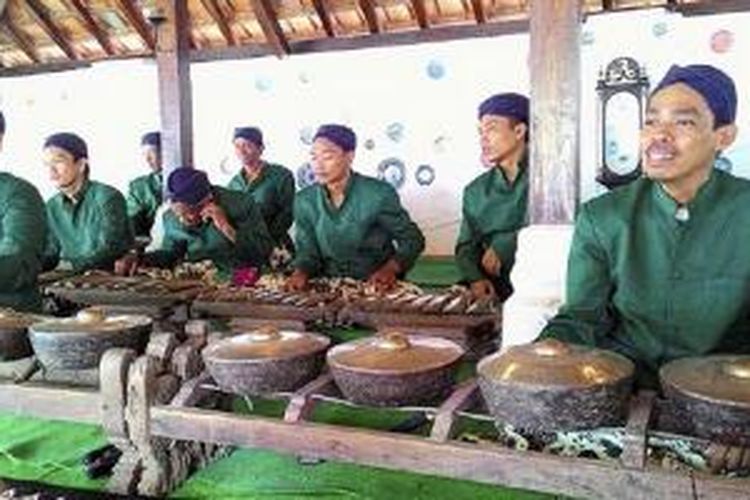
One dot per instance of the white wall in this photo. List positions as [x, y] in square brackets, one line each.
[112, 104]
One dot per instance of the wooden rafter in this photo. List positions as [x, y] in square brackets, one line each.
[215, 12]
[269, 23]
[479, 13]
[608, 5]
[325, 19]
[138, 22]
[12, 32]
[368, 9]
[93, 27]
[41, 16]
[421, 13]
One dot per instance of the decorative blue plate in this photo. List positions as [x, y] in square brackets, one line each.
[392, 171]
[425, 175]
[305, 176]
[395, 131]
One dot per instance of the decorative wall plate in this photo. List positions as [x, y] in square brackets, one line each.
[425, 175]
[392, 171]
[305, 176]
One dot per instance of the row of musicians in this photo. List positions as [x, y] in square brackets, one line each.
[657, 269]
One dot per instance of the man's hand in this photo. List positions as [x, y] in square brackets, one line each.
[297, 282]
[214, 213]
[126, 265]
[491, 262]
[482, 289]
[386, 276]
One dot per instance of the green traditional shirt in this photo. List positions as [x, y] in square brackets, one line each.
[494, 210]
[91, 231]
[205, 242]
[655, 281]
[144, 198]
[369, 228]
[23, 229]
[273, 192]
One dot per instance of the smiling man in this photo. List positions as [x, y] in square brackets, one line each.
[659, 269]
[88, 224]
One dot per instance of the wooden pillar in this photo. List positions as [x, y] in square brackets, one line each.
[555, 110]
[175, 96]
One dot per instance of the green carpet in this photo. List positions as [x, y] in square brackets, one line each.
[434, 272]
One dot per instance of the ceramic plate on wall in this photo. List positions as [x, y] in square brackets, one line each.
[305, 176]
[425, 175]
[392, 171]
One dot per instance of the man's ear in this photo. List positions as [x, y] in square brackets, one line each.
[521, 130]
[725, 136]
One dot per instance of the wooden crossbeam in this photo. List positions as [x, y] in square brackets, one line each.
[41, 16]
[215, 12]
[269, 23]
[707, 7]
[93, 27]
[368, 9]
[12, 32]
[325, 19]
[421, 13]
[479, 14]
[138, 22]
[608, 5]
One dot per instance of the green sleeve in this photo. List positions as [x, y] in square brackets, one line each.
[114, 237]
[585, 317]
[468, 248]
[52, 249]
[307, 257]
[22, 239]
[253, 242]
[406, 234]
[172, 249]
[282, 219]
[504, 245]
[136, 208]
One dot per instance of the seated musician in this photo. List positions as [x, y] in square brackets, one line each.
[206, 222]
[87, 220]
[348, 224]
[494, 204]
[145, 192]
[658, 269]
[23, 228]
[270, 185]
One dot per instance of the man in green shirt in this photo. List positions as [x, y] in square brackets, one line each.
[659, 269]
[349, 224]
[270, 185]
[23, 228]
[145, 192]
[87, 220]
[494, 204]
[206, 222]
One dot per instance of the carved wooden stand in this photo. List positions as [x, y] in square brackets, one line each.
[438, 454]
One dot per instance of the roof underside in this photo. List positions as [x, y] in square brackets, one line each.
[35, 34]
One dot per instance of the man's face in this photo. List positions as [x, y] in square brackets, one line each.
[64, 171]
[152, 156]
[329, 162]
[248, 153]
[189, 215]
[499, 136]
[678, 139]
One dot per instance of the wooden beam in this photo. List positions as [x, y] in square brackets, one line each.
[215, 12]
[12, 32]
[708, 7]
[38, 69]
[325, 19]
[54, 403]
[175, 96]
[478, 8]
[421, 14]
[608, 5]
[41, 16]
[368, 9]
[93, 27]
[555, 111]
[432, 35]
[269, 23]
[486, 463]
[138, 22]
